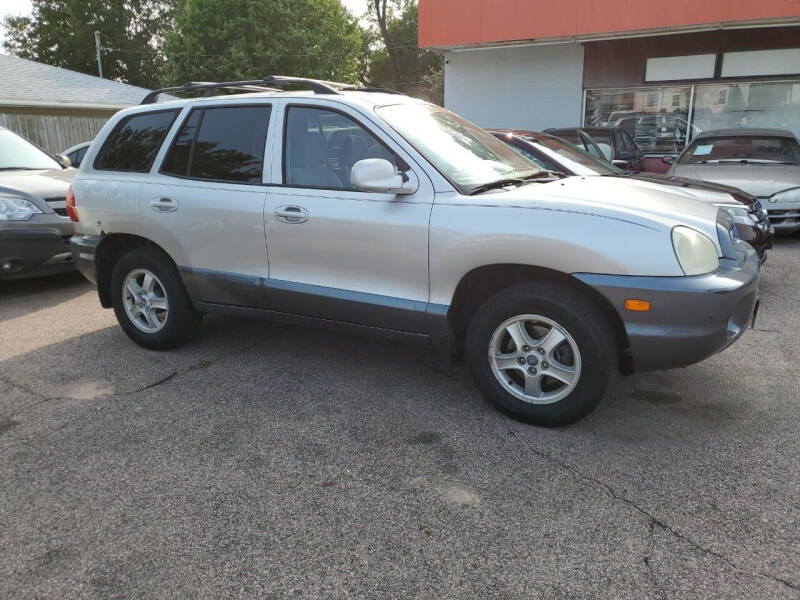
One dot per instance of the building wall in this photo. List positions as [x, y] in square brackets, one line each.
[523, 87]
[53, 130]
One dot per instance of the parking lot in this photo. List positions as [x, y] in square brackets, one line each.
[270, 461]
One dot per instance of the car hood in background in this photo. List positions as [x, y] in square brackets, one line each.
[41, 184]
[758, 180]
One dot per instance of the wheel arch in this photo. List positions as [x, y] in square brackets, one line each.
[111, 248]
[476, 286]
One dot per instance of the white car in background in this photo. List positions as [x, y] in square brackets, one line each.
[762, 162]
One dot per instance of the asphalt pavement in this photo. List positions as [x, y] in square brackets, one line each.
[273, 461]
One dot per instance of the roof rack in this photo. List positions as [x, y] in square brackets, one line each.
[271, 83]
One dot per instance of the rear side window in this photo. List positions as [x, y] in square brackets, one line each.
[134, 142]
[220, 144]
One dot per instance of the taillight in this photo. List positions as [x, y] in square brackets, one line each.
[72, 212]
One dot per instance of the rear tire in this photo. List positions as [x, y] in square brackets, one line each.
[150, 300]
[542, 352]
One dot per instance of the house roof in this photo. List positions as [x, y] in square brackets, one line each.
[29, 83]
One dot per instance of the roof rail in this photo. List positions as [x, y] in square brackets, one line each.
[271, 83]
[251, 85]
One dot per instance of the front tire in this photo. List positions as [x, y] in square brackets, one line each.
[542, 352]
[150, 301]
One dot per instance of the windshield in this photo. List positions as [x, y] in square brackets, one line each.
[570, 156]
[464, 153]
[758, 149]
[18, 153]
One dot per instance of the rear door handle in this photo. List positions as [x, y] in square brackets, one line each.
[291, 214]
[164, 205]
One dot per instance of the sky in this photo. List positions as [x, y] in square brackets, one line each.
[23, 7]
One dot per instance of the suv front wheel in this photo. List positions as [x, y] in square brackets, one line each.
[542, 352]
[150, 301]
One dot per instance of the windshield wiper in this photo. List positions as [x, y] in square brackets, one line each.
[19, 169]
[545, 173]
[493, 185]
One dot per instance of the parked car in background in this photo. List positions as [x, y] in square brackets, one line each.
[657, 133]
[414, 224]
[559, 155]
[615, 144]
[34, 226]
[762, 162]
[76, 153]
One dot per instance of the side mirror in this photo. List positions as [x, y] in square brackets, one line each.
[625, 155]
[670, 160]
[63, 160]
[381, 176]
[622, 164]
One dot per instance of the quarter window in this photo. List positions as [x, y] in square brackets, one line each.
[134, 142]
[220, 144]
[321, 147]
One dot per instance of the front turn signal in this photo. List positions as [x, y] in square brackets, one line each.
[637, 305]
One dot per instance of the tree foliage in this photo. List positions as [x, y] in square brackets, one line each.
[221, 40]
[396, 61]
[61, 33]
[161, 42]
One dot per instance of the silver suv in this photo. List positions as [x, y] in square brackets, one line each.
[372, 211]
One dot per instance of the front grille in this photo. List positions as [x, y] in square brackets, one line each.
[778, 217]
[58, 204]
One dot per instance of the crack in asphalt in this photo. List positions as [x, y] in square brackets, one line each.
[652, 574]
[42, 398]
[653, 521]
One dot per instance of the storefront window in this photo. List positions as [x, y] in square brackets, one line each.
[773, 104]
[656, 117]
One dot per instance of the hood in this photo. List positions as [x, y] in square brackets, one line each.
[759, 180]
[41, 184]
[644, 203]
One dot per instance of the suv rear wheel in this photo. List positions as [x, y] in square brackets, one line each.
[150, 301]
[542, 353]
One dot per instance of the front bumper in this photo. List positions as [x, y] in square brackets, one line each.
[690, 318]
[784, 216]
[36, 247]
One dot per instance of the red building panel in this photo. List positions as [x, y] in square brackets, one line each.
[464, 22]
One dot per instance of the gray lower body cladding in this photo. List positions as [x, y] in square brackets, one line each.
[690, 318]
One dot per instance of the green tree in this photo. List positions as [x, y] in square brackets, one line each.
[221, 40]
[61, 33]
[396, 61]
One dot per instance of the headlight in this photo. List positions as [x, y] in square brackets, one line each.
[17, 209]
[790, 195]
[696, 253]
[737, 211]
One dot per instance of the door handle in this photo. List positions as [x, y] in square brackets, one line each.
[164, 205]
[291, 214]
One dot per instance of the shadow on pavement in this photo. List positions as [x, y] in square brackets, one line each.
[20, 297]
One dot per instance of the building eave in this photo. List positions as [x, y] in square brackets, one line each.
[597, 37]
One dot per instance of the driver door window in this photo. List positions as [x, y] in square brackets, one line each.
[321, 146]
